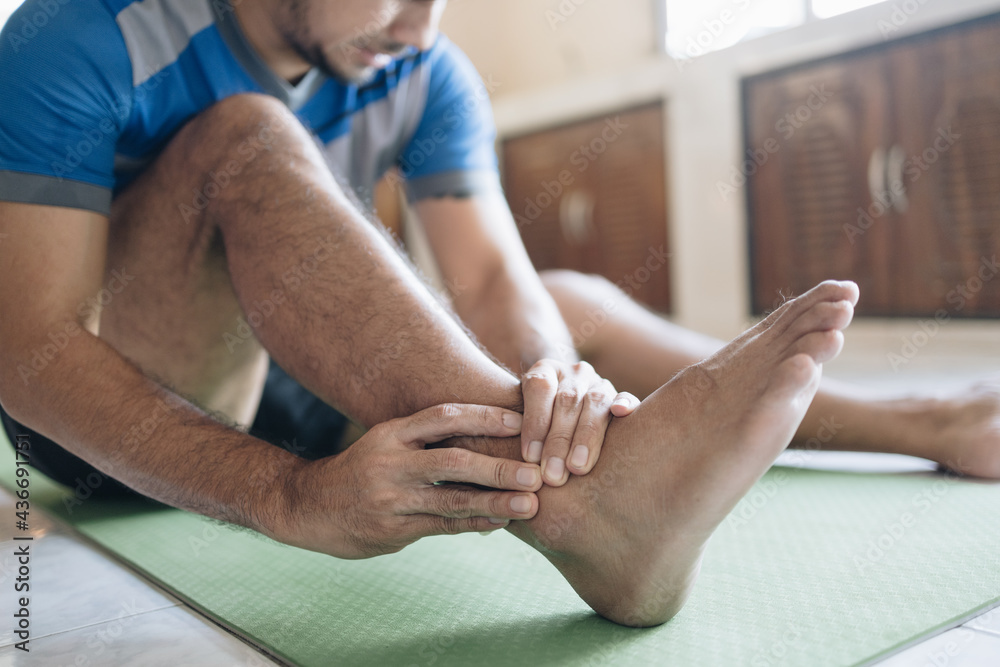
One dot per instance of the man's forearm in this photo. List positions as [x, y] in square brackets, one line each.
[517, 323]
[101, 408]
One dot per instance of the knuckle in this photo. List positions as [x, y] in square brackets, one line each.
[589, 430]
[451, 526]
[500, 472]
[568, 398]
[598, 396]
[558, 441]
[446, 412]
[454, 504]
[455, 459]
[538, 381]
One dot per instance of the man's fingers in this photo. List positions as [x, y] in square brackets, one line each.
[593, 424]
[565, 416]
[443, 421]
[538, 387]
[425, 525]
[464, 502]
[624, 404]
[452, 464]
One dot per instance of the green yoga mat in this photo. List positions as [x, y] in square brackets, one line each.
[812, 568]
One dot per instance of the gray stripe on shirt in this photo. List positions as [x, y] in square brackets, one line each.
[25, 188]
[156, 32]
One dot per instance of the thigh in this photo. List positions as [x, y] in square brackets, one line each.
[168, 303]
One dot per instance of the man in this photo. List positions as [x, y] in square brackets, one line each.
[122, 170]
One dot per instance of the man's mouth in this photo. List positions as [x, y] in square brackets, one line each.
[375, 59]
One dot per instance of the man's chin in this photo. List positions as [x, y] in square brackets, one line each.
[351, 75]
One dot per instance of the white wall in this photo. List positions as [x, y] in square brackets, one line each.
[547, 77]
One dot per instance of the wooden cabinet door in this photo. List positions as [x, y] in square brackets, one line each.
[947, 124]
[591, 196]
[814, 212]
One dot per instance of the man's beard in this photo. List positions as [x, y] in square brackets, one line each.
[297, 36]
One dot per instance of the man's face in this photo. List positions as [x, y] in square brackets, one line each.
[352, 39]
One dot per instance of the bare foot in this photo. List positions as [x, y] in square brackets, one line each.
[966, 431]
[630, 535]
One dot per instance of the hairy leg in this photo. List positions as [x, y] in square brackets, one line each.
[240, 232]
[638, 350]
[329, 298]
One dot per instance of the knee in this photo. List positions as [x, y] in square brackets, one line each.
[234, 130]
[565, 283]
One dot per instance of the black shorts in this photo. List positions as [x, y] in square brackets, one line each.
[289, 416]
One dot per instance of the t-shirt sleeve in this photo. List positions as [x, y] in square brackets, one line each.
[451, 153]
[66, 82]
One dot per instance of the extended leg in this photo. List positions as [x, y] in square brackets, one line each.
[638, 350]
[330, 299]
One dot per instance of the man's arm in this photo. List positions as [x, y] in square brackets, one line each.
[498, 294]
[87, 397]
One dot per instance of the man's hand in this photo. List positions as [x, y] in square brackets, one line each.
[567, 409]
[381, 494]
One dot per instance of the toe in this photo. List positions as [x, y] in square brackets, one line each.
[823, 316]
[793, 376]
[822, 346]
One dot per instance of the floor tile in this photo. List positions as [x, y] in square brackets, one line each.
[164, 638]
[72, 585]
[987, 622]
[961, 647]
[39, 523]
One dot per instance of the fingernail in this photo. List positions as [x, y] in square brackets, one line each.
[527, 476]
[554, 468]
[512, 420]
[624, 402]
[498, 522]
[520, 504]
[579, 458]
[534, 451]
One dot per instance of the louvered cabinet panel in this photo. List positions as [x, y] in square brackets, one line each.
[947, 124]
[591, 196]
[813, 212]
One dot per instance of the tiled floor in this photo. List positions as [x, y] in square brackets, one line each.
[88, 610]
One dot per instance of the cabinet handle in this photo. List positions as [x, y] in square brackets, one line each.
[876, 177]
[897, 186]
[576, 216]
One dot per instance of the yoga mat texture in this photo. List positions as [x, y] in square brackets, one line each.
[812, 568]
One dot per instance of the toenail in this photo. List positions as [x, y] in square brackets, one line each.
[554, 468]
[534, 451]
[527, 476]
[580, 455]
[520, 504]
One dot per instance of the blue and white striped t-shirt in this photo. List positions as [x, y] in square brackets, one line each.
[92, 90]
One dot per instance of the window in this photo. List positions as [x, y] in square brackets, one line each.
[695, 28]
[7, 8]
